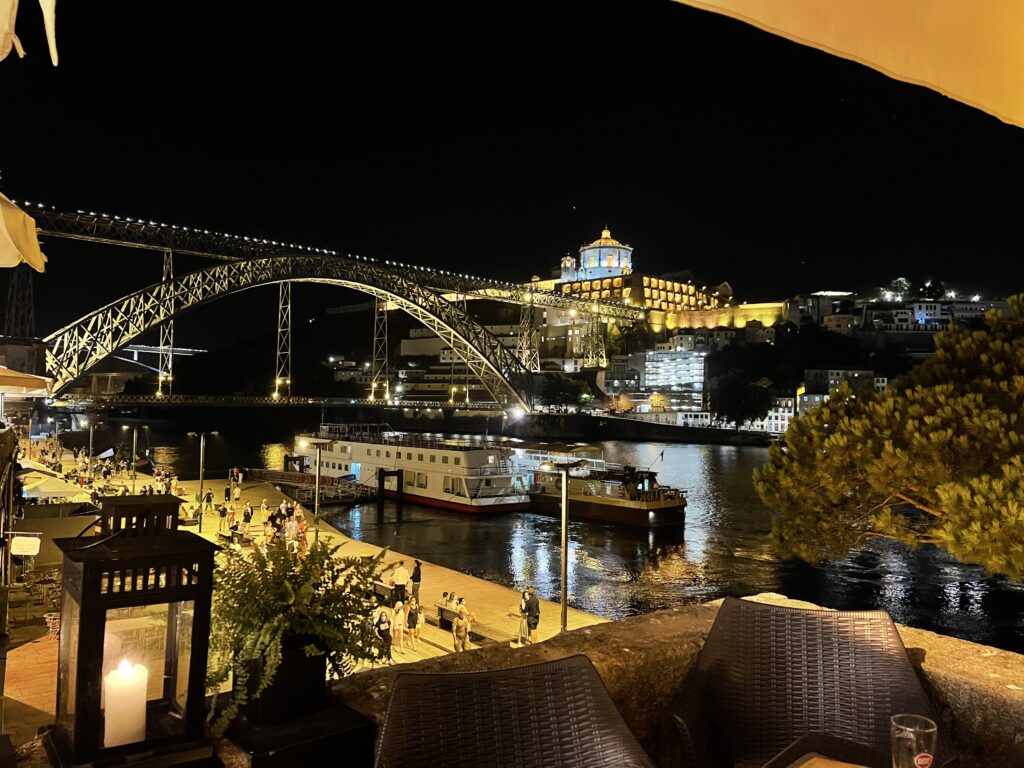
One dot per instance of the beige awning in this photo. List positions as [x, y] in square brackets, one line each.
[17, 383]
[972, 52]
[18, 241]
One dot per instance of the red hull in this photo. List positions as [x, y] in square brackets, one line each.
[472, 509]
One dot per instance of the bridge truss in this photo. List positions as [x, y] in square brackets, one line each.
[434, 297]
[76, 348]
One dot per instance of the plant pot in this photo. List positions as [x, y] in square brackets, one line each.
[299, 687]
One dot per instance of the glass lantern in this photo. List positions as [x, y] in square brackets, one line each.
[134, 639]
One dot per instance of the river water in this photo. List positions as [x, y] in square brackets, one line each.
[616, 571]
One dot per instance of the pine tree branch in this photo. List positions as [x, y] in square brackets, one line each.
[923, 507]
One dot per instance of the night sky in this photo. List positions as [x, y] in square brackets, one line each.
[495, 138]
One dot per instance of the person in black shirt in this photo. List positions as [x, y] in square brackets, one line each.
[417, 575]
[533, 614]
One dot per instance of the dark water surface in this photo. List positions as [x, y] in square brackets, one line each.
[617, 571]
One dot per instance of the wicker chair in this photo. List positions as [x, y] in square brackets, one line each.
[769, 676]
[557, 713]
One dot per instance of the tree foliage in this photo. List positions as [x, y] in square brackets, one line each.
[556, 389]
[936, 459]
[735, 398]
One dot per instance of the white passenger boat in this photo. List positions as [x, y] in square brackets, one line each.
[436, 471]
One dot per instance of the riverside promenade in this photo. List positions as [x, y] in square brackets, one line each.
[491, 603]
[32, 667]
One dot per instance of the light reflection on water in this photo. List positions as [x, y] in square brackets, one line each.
[617, 571]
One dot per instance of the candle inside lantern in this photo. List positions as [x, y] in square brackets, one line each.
[124, 691]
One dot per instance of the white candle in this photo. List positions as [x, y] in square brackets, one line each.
[124, 719]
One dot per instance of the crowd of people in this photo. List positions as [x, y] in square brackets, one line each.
[398, 622]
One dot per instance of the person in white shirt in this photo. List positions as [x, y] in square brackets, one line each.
[400, 578]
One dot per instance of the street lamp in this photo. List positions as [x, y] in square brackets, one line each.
[563, 468]
[316, 492]
[202, 466]
[135, 445]
[89, 460]
[135, 450]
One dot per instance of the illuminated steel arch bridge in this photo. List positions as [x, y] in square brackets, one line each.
[436, 298]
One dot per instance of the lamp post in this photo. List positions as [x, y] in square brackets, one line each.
[135, 446]
[316, 492]
[89, 459]
[563, 469]
[202, 469]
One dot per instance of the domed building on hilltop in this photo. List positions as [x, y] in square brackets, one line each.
[605, 257]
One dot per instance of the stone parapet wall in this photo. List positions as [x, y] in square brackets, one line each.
[643, 659]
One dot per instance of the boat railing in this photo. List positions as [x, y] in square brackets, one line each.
[400, 439]
[484, 492]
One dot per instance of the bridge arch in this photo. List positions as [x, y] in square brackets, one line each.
[75, 349]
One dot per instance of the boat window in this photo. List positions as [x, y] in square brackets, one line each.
[420, 457]
[433, 458]
[444, 459]
[409, 455]
[421, 479]
[458, 460]
[367, 451]
[378, 451]
[490, 459]
[410, 479]
[387, 454]
[346, 467]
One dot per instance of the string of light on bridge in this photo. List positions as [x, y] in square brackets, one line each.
[26, 204]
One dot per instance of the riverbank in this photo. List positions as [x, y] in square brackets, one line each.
[491, 603]
[283, 422]
[31, 674]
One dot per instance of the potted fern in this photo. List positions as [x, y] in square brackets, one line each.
[279, 622]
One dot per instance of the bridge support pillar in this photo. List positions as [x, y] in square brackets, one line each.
[283, 380]
[526, 347]
[594, 353]
[165, 365]
[379, 382]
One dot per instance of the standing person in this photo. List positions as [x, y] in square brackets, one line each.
[398, 627]
[415, 617]
[208, 501]
[533, 614]
[247, 513]
[264, 509]
[227, 493]
[460, 631]
[417, 576]
[524, 628]
[383, 624]
[237, 495]
[400, 578]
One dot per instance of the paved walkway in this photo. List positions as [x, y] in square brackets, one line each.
[495, 606]
[32, 668]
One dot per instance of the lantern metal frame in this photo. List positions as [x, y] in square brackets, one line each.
[139, 559]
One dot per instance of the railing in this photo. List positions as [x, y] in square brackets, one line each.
[287, 478]
[403, 440]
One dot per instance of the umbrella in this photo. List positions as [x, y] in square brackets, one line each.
[17, 383]
[49, 487]
[18, 241]
[969, 51]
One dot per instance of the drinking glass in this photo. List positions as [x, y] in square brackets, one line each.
[913, 741]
